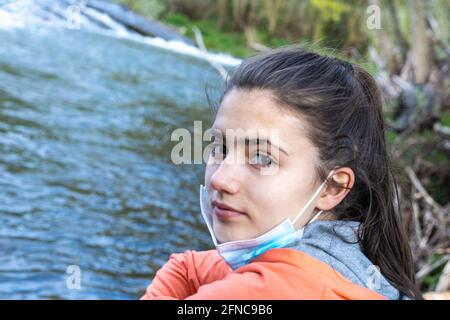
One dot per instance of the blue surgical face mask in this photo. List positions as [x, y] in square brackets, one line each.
[240, 252]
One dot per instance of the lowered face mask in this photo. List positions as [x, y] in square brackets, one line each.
[240, 252]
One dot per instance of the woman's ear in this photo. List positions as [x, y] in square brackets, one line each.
[331, 195]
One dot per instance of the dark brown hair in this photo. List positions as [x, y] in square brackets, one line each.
[343, 105]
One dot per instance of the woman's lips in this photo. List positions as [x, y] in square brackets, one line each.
[223, 211]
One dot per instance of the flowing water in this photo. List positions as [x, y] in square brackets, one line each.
[86, 176]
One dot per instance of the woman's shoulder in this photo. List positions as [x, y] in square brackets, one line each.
[282, 274]
[336, 243]
[308, 276]
[184, 273]
[276, 274]
[208, 265]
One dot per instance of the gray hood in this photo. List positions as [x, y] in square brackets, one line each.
[335, 243]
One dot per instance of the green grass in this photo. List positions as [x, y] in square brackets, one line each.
[445, 119]
[215, 39]
[233, 43]
[391, 136]
[227, 41]
[432, 279]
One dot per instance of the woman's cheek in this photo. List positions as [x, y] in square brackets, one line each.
[209, 171]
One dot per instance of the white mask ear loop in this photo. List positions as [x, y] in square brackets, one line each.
[315, 216]
[312, 199]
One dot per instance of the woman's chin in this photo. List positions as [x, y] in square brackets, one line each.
[223, 236]
[229, 233]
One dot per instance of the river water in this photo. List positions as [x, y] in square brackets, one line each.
[86, 177]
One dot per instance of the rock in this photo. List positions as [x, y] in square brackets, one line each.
[137, 23]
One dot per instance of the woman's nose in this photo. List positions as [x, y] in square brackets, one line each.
[225, 178]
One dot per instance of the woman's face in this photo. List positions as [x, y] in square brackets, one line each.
[264, 199]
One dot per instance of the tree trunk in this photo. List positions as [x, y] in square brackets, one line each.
[421, 46]
[222, 12]
[397, 32]
[237, 14]
[272, 15]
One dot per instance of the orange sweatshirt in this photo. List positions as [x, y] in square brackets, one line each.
[276, 274]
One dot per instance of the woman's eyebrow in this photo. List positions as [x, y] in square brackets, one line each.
[248, 141]
[259, 141]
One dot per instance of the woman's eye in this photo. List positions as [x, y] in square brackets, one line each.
[262, 160]
[218, 150]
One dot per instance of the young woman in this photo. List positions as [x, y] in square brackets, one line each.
[324, 223]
